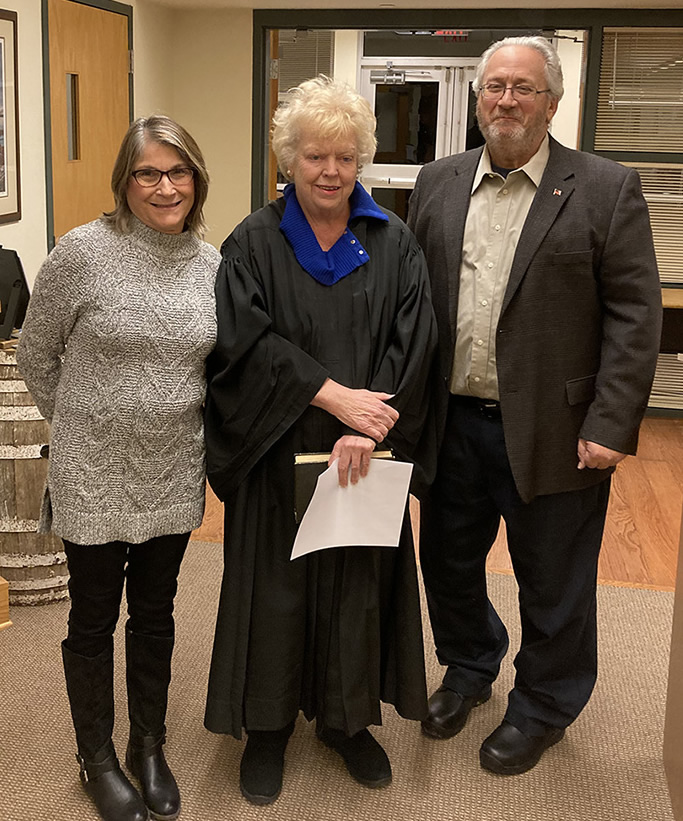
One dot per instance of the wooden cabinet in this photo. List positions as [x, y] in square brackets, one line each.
[4, 604]
[672, 326]
[667, 389]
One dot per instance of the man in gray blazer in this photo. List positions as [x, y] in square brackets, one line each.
[547, 296]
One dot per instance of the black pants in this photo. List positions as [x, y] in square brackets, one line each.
[97, 574]
[554, 542]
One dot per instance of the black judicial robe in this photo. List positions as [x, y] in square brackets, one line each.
[336, 632]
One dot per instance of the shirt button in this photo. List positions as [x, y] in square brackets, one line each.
[484, 302]
[353, 241]
[505, 191]
[497, 227]
[489, 265]
[476, 379]
[480, 342]
[361, 251]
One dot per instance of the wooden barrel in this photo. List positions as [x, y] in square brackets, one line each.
[33, 563]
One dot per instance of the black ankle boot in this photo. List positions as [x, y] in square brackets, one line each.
[146, 761]
[115, 798]
[90, 687]
[262, 764]
[363, 755]
[148, 674]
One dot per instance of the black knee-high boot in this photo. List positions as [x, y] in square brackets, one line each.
[90, 687]
[148, 675]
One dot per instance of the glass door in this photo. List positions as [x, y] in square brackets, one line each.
[423, 112]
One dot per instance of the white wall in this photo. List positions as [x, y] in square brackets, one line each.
[153, 31]
[348, 50]
[28, 237]
[565, 124]
[195, 66]
[212, 98]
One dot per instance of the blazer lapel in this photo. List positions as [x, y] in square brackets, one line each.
[456, 205]
[557, 185]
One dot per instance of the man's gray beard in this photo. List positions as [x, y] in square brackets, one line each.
[504, 138]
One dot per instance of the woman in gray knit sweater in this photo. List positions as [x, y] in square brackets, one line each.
[121, 319]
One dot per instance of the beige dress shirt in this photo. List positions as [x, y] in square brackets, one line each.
[498, 209]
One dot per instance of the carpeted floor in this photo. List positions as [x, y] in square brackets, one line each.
[608, 767]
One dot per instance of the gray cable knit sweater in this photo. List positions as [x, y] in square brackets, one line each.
[112, 351]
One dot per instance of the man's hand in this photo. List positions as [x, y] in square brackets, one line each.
[592, 455]
[354, 452]
[361, 410]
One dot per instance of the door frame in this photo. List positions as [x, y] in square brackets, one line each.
[105, 5]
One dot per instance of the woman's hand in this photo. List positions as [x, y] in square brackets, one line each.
[353, 452]
[364, 411]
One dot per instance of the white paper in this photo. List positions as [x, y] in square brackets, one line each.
[367, 514]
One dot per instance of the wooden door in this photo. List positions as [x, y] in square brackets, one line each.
[89, 108]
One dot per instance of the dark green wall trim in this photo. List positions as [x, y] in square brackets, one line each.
[593, 20]
[46, 128]
[464, 18]
[105, 5]
[664, 413]
[591, 89]
[641, 156]
[259, 126]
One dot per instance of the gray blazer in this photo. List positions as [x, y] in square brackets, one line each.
[580, 325]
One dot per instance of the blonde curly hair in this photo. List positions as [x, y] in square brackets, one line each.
[328, 109]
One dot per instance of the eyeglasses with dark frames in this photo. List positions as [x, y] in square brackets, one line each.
[494, 91]
[149, 177]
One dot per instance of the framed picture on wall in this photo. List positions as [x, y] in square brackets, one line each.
[10, 193]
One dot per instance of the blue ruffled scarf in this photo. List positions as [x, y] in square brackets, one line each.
[347, 254]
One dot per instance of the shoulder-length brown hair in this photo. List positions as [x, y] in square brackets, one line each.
[165, 131]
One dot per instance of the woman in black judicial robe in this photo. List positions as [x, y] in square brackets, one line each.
[325, 344]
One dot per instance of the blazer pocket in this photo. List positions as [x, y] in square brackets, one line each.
[581, 390]
[573, 257]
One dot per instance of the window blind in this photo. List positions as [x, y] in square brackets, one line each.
[663, 190]
[640, 100]
[304, 54]
[667, 389]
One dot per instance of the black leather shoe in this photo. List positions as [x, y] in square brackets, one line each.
[112, 793]
[146, 761]
[363, 755]
[509, 751]
[263, 763]
[448, 711]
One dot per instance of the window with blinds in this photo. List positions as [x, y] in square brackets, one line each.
[640, 104]
[640, 110]
[304, 54]
[667, 388]
[663, 189]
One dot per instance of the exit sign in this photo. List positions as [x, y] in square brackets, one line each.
[453, 35]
